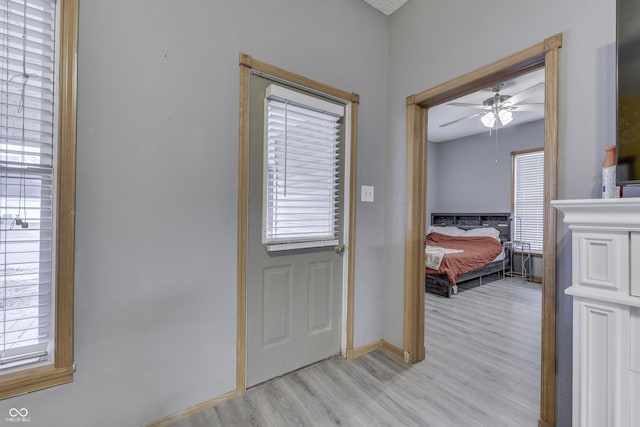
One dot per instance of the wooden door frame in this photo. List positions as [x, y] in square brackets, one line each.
[352, 100]
[544, 54]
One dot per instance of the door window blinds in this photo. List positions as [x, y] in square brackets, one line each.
[301, 162]
[27, 65]
[528, 199]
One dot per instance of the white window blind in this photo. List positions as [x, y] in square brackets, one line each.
[528, 200]
[27, 65]
[301, 168]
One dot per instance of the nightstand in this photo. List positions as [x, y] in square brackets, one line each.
[524, 250]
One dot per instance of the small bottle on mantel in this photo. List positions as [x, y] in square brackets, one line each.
[609, 188]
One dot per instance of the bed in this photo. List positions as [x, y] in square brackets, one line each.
[460, 262]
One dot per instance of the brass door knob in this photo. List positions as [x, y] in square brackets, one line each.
[340, 249]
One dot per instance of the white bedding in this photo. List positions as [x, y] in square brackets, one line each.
[435, 254]
[500, 256]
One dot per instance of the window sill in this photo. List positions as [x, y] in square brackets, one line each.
[275, 247]
[29, 380]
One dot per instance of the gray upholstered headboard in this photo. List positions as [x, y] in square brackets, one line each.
[499, 221]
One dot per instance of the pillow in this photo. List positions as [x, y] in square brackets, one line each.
[449, 231]
[488, 232]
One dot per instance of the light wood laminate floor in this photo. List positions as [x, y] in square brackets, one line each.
[482, 369]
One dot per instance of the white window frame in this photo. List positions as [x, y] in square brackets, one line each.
[279, 240]
[533, 220]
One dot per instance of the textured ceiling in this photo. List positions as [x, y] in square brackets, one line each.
[386, 6]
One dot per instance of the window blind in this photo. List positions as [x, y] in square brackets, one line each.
[529, 199]
[301, 167]
[27, 65]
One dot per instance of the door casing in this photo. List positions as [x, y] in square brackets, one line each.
[544, 54]
[250, 65]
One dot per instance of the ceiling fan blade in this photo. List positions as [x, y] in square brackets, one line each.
[522, 95]
[536, 106]
[462, 118]
[467, 105]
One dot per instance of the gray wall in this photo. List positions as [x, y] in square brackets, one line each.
[468, 178]
[155, 325]
[432, 41]
[432, 178]
[157, 166]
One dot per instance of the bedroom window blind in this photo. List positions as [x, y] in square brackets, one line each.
[27, 65]
[528, 198]
[301, 162]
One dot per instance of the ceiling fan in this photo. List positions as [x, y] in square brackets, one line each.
[498, 108]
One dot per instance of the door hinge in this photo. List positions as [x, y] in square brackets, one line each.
[407, 356]
[73, 366]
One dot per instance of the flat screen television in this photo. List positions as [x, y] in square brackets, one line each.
[628, 115]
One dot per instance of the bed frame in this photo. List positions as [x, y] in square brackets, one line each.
[439, 283]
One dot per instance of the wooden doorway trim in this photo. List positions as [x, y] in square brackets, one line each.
[544, 54]
[247, 66]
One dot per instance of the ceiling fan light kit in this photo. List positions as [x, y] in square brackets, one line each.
[504, 116]
[498, 108]
[489, 119]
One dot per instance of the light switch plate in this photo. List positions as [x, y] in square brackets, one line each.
[366, 193]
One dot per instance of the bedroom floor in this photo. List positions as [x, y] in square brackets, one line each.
[482, 369]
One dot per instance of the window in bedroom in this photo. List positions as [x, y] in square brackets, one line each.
[528, 198]
[302, 146]
[37, 187]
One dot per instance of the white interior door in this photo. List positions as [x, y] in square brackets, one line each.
[294, 296]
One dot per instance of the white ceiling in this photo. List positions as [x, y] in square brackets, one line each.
[445, 113]
[386, 6]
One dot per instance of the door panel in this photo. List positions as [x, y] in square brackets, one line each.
[276, 308]
[320, 301]
[294, 298]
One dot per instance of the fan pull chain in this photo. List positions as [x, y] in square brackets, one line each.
[496, 159]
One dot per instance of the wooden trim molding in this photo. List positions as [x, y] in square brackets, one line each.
[288, 76]
[393, 350]
[548, 369]
[34, 379]
[513, 65]
[61, 370]
[172, 419]
[379, 345]
[243, 206]
[414, 232]
[368, 348]
[248, 65]
[66, 184]
[544, 54]
[351, 246]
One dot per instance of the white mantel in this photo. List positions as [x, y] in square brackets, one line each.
[607, 214]
[605, 287]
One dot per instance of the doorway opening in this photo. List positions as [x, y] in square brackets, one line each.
[485, 198]
[544, 54]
